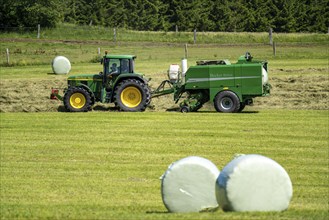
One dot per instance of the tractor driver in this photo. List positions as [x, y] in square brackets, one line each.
[113, 71]
[114, 68]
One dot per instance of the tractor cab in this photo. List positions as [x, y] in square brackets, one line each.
[114, 65]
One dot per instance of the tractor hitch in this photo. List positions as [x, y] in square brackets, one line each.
[54, 94]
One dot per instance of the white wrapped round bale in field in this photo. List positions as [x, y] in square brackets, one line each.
[254, 183]
[61, 65]
[189, 185]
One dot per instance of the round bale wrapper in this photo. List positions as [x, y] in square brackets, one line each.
[61, 65]
[253, 183]
[189, 185]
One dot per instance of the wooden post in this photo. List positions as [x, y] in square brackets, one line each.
[99, 51]
[194, 36]
[176, 29]
[38, 36]
[274, 48]
[114, 35]
[7, 54]
[186, 53]
[270, 33]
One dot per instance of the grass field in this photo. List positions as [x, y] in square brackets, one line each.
[106, 164]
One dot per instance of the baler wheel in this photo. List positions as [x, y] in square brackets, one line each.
[242, 105]
[77, 99]
[227, 101]
[184, 109]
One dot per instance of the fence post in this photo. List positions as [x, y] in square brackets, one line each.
[274, 48]
[7, 54]
[194, 36]
[186, 54]
[176, 29]
[99, 51]
[270, 33]
[38, 36]
[114, 35]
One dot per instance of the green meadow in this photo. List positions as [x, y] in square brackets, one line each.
[106, 164]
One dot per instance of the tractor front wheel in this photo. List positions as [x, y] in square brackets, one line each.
[77, 99]
[227, 101]
[131, 95]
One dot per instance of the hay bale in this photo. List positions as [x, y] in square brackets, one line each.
[254, 183]
[61, 65]
[188, 185]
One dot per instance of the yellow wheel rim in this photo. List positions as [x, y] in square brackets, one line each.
[77, 100]
[131, 97]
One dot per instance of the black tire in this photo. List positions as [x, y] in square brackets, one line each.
[77, 99]
[227, 101]
[242, 105]
[132, 95]
[184, 109]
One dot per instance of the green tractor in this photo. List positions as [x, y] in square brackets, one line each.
[118, 84]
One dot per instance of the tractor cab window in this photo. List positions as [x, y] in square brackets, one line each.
[125, 66]
[117, 66]
[114, 66]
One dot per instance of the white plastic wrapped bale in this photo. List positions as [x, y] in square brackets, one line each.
[189, 185]
[61, 65]
[253, 183]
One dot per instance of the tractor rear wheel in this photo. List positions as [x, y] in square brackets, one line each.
[131, 95]
[77, 99]
[227, 101]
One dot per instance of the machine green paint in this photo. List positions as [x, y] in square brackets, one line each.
[229, 86]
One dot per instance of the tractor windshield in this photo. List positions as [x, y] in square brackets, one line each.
[118, 66]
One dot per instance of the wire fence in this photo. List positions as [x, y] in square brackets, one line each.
[113, 34]
[81, 40]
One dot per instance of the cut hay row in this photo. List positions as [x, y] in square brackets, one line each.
[293, 92]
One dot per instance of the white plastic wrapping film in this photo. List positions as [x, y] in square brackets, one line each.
[189, 185]
[61, 65]
[254, 183]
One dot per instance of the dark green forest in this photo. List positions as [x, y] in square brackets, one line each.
[167, 15]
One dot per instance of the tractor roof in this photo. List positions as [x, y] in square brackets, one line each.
[113, 56]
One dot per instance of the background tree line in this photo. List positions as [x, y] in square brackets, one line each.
[164, 15]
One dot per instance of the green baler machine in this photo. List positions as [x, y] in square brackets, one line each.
[229, 86]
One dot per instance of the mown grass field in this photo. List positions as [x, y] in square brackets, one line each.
[106, 164]
[298, 72]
